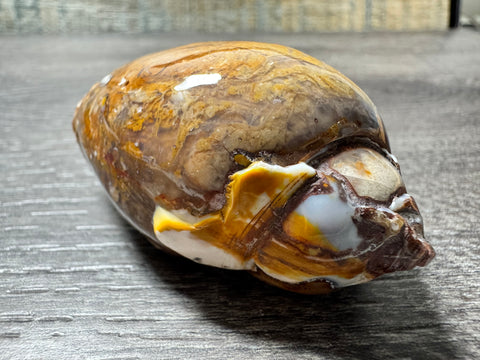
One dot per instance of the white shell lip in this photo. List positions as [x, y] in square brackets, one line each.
[198, 80]
[200, 251]
[337, 280]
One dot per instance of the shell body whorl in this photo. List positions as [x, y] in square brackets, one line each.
[196, 146]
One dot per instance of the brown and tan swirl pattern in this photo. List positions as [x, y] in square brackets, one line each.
[253, 156]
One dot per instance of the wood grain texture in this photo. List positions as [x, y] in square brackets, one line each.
[219, 16]
[77, 282]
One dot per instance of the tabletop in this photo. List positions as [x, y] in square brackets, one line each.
[78, 282]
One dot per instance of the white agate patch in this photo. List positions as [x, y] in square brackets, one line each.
[333, 217]
[343, 282]
[198, 80]
[188, 245]
[399, 202]
[292, 170]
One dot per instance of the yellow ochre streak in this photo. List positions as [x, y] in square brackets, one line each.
[251, 196]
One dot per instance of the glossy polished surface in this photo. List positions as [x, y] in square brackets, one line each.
[153, 116]
[202, 141]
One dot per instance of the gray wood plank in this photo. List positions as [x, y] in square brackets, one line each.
[77, 282]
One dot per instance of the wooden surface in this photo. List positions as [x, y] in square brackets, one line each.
[77, 282]
[220, 16]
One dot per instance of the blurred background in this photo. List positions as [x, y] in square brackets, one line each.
[144, 16]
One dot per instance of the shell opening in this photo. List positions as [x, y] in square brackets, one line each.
[320, 239]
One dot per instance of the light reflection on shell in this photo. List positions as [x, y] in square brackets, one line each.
[253, 156]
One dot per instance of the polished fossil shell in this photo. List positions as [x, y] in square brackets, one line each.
[219, 151]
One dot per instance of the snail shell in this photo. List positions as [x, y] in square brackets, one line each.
[253, 156]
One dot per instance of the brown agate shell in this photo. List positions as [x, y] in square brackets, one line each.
[253, 156]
